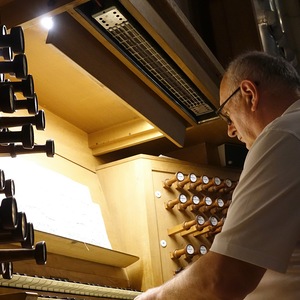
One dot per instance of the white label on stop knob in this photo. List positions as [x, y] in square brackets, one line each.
[193, 177]
[182, 198]
[190, 249]
[180, 176]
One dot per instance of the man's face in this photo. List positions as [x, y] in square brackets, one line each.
[237, 109]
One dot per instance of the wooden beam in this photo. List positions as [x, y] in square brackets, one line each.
[122, 136]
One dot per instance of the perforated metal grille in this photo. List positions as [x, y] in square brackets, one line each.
[178, 86]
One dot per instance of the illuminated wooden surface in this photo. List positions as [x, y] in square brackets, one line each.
[80, 250]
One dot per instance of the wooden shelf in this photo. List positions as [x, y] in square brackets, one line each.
[76, 249]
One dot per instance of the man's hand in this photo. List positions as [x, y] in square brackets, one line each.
[151, 294]
[205, 280]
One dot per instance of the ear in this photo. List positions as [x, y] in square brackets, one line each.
[250, 91]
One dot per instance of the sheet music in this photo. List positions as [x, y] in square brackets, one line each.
[55, 203]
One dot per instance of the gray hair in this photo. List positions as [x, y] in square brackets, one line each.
[263, 68]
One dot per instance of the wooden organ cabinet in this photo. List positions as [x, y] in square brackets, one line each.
[153, 213]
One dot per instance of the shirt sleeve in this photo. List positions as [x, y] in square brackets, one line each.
[263, 222]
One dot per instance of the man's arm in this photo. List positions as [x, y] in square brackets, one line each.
[213, 276]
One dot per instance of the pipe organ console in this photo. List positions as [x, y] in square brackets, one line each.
[177, 208]
[165, 211]
[72, 272]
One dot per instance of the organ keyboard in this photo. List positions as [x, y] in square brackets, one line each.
[74, 271]
[62, 287]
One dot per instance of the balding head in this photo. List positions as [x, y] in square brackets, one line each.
[265, 69]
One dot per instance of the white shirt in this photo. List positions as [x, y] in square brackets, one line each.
[263, 222]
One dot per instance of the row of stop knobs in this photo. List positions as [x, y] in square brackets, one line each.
[208, 199]
[14, 63]
[199, 204]
[200, 226]
[14, 228]
[203, 183]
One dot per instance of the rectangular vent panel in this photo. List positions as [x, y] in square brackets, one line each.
[119, 28]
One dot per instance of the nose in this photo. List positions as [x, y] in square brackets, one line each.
[231, 130]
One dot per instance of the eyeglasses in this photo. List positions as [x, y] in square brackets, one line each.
[219, 113]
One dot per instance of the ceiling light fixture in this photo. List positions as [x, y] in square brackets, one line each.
[47, 22]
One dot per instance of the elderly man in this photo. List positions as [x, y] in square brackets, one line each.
[255, 255]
